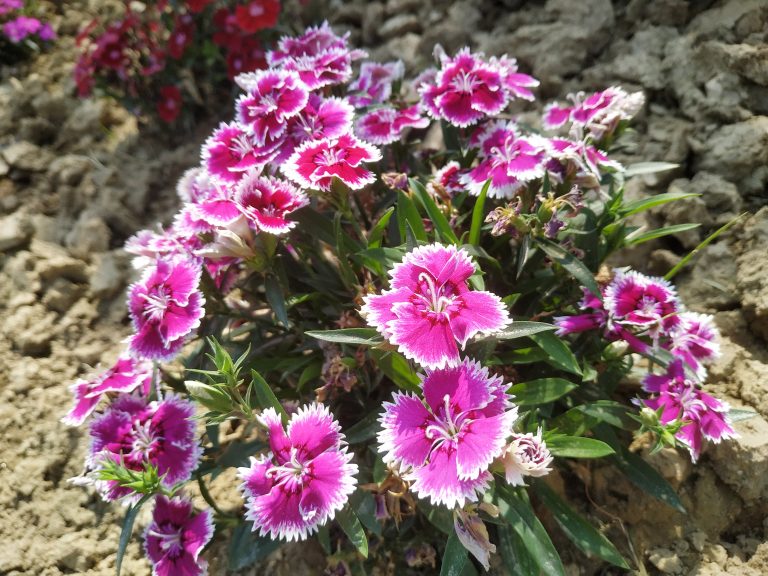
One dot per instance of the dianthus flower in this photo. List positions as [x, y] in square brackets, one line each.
[182, 35]
[10, 5]
[384, 125]
[134, 433]
[21, 27]
[175, 538]
[165, 306]
[593, 320]
[449, 178]
[305, 479]
[125, 376]
[579, 161]
[508, 160]
[525, 455]
[446, 443]
[694, 340]
[271, 98]
[316, 162]
[373, 84]
[257, 15]
[266, 201]
[320, 118]
[679, 398]
[231, 150]
[517, 83]
[429, 306]
[169, 105]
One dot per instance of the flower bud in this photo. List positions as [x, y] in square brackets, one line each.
[526, 455]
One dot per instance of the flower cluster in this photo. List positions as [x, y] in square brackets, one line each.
[17, 25]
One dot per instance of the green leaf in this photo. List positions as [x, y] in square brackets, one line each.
[407, 213]
[366, 512]
[377, 232]
[634, 240]
[559, 354]
[577, 447]
[540, 391]
[352, 527]
[516, 509]
[577, 528]
[739, 415]
[581, 419]
[439, 221]
[397, 369]
[516, 557]
[364, 429]
[478, 216]
[246, 548]
[648, 203]
[455, 557]
[522, 329]
[439, 516]
[354, 336]
[127, 530]
[265, 397]
[648, 168]
[276, 299]
[573, 265]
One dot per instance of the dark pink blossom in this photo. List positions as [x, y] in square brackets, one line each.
[694, 340]
[306, 478]
[429, 307]
[231, 150]
[175, 537]
[515, 82]
[373, 84]
[320, 118]
[449, 178]
[446, 443]
[316, 162]
[266, 202]
[385, 125]
[165, 307]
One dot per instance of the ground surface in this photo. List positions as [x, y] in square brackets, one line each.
[77, 178]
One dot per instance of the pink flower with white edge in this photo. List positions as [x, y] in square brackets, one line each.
[385, 125]
[320, 118]
[466, 90]
[679, 398]
[165, 306]
[148, 246]
[231, 150]
[127, 375]
[449, 178]
[695, 340]
[575, 158]
[316, 162]
[271, 98]
[373, 84]
[134, 433]
[266, 202]
[305, 479]
[446, 443]
[515, 82]
[429, 306]
[597, 318]
[175, 537]
[526, 455]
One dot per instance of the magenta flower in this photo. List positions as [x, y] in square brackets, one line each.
[136, 433]
[21, 27]
[447, 442]
[596, 318]
[10, 5]
[125, 376]
[265, 202]
[516, 83]
[429, 306]
[694, 340]
[679, 398]
[316, 162]
[175, 538]
[149, 246]
[306, 478]
[165, 307]
[320, 118]
[271, 98]
[384, 125]
[231, 150]
[449, 178]
[525, 455]
[373, 84]
[576, 159]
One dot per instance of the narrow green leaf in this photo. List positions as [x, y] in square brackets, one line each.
[127, 530]
[648, 168]
[364, 429]
[634, 240]
[559, 353]
[352, 527]
[366, 512]
[439, 221]
[324, 537]
[276, 299]
[455, 557]
[577, 528]
[397, 369]
[408, 214]
[377, 232]
[516, 557]
[478, 216]
[246, 548]
[648, 203]
[310, 372]
[581, 419]
[521, 329]
[265, 397]
[577, 447]
[739, 415]
[354, 336]
[573, 265]
[540, 391]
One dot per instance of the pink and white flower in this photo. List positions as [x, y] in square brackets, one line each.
[266, 202]
[596, 318]
[385, 125]
[449, 178]
[127, 375]
[373, 84]
[305, 479]
[320, 118]
[316, 162]
[174, 539]
[135, 433]
[271, 98]
[526, 455]
[695, 340]
[515, 82]
[165, 306]
[231, 150]
[429, 306]
[679, 398]
[446, 443]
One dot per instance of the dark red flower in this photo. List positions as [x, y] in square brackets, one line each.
[245, 55]
[169, 105]
[196, 6]
[181, 36]
[257, 15]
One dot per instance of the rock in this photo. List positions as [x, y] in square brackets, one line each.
[750, 138]
[748, 61]
[684, 211]
[404, 47]
[89, 235]
[399, 25]
[62, 294]
[39, 131]
[4, 168]
[69, 169]
[26, 156]
[31, 329]
[401, 6]
[15, 231]
[742, 463]
[715, 507]
[666, 561]
[85, 120]
[712, 282]
[752, 280]
[109, 275]
[372, 19]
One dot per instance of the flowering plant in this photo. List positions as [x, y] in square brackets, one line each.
[389, 341]
[21, 29]
[165, 57]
